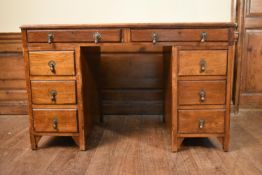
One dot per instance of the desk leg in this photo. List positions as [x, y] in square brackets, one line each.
[34, 141]
[173, 74]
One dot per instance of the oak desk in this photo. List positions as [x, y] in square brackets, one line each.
[62, 63]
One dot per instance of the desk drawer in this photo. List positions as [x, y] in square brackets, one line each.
[201, 92]
[55, 120]
[201, 121]
[53, 92]
[165, 35]
[202, 62]
[52, 63]
[85, 35]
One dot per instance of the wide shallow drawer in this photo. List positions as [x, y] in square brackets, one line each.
[87, 35]
[55, 120]
[202, 62]
[201, 92]
[53, 92]
[201, 121]
[52, 63]
[165, 35]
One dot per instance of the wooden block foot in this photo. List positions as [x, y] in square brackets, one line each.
[34, 141]
[176, 144]
[224, 142]
[79, 143]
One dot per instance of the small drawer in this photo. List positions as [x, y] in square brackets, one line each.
[52, 63]
[55, 120]
[168, 35]
[85, 35]
[201, 121]
[53, 92]
[202, 62]
[201, 92]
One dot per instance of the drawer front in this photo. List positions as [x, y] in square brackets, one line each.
[201, 121]
[52, 63]
[53, 92]
[202, 62]
[201, 92]
[60, 36]
[165, 35]
[55, 120]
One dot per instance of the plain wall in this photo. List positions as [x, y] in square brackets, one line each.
[14, 13]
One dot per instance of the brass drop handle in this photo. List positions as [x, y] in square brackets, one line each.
[55, 123]
[50, 38]
[201, 123]
[53, 94]
[202, 95]
[202, 65]
[154, 38]
[97, 37]
[203, 37]
[51, 65]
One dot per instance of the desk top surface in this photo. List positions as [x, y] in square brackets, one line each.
[129, 25]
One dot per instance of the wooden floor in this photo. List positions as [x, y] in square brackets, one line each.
[132, 145]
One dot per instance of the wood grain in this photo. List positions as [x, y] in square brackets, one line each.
[215, 62]
[131, 70]
[89, 100]
[131, 80]
[132, 107]
[107, 35]
[12, 84]
[10, 42]
[64, 63]
[178, 34]
[188, 92]
[188, 121]
[66, 120]
[12, 66]
[13, 97]
[66, 92]
[15, 107]
[247, 89]
[132, 145]
[130, 25]
[132, 94]
[135, 70]
[252, 78]
[254, 8]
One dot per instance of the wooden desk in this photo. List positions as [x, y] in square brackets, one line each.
[62, 63]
